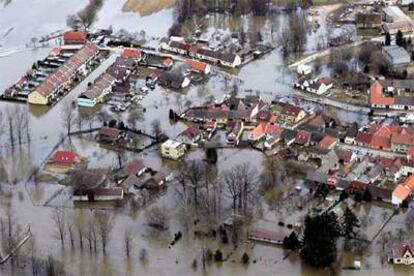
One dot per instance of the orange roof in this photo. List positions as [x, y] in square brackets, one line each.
[381, 142]
[410, 152]
[197, 65]
[258, 132]
[327, 142]
[131, 53]
[401, 192]
[74, 36]
[409, 182]
[376, 95]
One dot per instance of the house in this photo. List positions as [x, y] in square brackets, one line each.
[199, 67]
[74, 37]
[403, 253]
[320, 86]
[65, 158]
[172, 149]
[396, 56]
[98, 91]
[304, 69]
[400, 194]
[230, 60]
[328, 142]
[58, 82]
[292, 113]
[345, 156]
[174, 80]
[288, 136]
[266, 236]
[99, 194]
[377, 98]
[235, 133]
[303, 138]
[351, 134]
[190, 136]
[132, 53]
[135, 167]
[125, 63]
[109, 135]
[156, 181]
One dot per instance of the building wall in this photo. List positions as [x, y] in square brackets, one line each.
[37, 98]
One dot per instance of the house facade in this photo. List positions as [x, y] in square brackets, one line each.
[173, 150]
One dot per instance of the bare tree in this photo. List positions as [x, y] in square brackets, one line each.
[68, 116]
[128, 240]
[134, 117]
[10, 118]
[156, 128]
[233, 187]
[105, 224]
[71, 229]
[59, 219]
[80, 224]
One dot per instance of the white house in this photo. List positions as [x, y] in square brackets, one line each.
[172, 149]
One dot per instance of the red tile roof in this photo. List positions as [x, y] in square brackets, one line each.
[401, 192]
[74, 36]
[65, 157]
[291, 110]
[327, 142]
[302, 137]
[377, 97]
[132, 53]
[197, 65]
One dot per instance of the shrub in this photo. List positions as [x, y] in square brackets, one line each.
[218, 256]
[245, 258]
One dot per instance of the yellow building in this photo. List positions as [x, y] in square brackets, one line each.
[37, 98]
[293, 114]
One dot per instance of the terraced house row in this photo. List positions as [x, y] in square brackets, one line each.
[58, 83]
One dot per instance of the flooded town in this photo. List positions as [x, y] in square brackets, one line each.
[200, 137]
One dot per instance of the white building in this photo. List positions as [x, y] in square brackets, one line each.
[172, 149]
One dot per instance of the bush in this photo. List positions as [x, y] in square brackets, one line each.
[209, 255]
[218, 256]
[194, 264]
[245, 258]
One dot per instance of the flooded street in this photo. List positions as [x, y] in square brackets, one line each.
[268, 75]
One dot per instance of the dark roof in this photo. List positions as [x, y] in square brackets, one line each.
[291, 110]
[398, 250]
[288, 134]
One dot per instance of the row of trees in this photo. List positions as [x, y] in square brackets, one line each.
[202, 190]
[87, 228]
[15, 123]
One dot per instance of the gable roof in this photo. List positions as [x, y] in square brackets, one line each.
[74, 36]
[401, 192]
[132, 53]
[291, 110]
[377, 97]
[327, 142]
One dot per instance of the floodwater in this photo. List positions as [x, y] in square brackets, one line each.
[267, 75]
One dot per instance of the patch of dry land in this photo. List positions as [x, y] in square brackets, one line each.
[147, 7]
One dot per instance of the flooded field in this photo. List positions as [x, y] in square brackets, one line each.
[268, 76]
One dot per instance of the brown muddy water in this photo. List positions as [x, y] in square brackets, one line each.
[268, 75]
